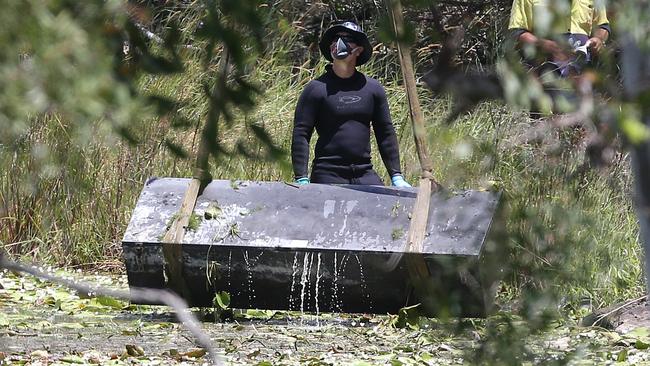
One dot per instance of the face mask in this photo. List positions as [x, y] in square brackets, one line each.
[342, 50]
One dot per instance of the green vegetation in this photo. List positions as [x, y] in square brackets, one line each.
[221, 300]
[194, 222]
[213, 211]
[394, 211]
[73, 170]
[397, 233]
[75, 214]
[73, 218]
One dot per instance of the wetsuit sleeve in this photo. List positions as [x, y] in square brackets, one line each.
[385, 133]
[303, 128]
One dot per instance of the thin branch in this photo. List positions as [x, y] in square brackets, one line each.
[618, 308]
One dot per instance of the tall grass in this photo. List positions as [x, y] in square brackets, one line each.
[72, 206]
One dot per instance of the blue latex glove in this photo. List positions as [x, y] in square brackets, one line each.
[302, 181]
[398, 181]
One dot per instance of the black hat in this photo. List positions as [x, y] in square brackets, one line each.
[355, 32]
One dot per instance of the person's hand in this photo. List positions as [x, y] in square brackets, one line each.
[596, 44]
[398, 181]
[302, 181]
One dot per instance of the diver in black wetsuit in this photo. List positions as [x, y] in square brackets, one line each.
[341, 105]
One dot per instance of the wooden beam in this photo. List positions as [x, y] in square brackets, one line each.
[173, 238]
[418, 270]
[408, 73]
[427, 184]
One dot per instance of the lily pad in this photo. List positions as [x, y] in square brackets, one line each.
[72, 359]
[111, 302]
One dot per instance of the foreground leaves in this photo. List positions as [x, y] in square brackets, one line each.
[101, 331]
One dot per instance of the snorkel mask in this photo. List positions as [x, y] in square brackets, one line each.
[338, 40]
[343, 48]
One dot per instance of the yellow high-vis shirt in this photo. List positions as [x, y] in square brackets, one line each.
[552, 17]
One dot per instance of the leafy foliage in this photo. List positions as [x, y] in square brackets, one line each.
[222, 300]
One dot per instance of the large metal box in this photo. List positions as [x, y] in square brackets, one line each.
[318, 248]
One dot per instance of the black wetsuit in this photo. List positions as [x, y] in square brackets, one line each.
[341, 111]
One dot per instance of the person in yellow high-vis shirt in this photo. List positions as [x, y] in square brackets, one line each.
[559, 34]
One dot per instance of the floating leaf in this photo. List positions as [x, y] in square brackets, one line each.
[134, 350]
[641, 337]
[73, 359]
[640, 332]
[4, 320]
[196, 353]
[73, 325]
[222, 300]
[257, 313]
[161, 325]
[408, 316]
[641, 344]
[426, 356]
[41, 353]
[111, 302]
